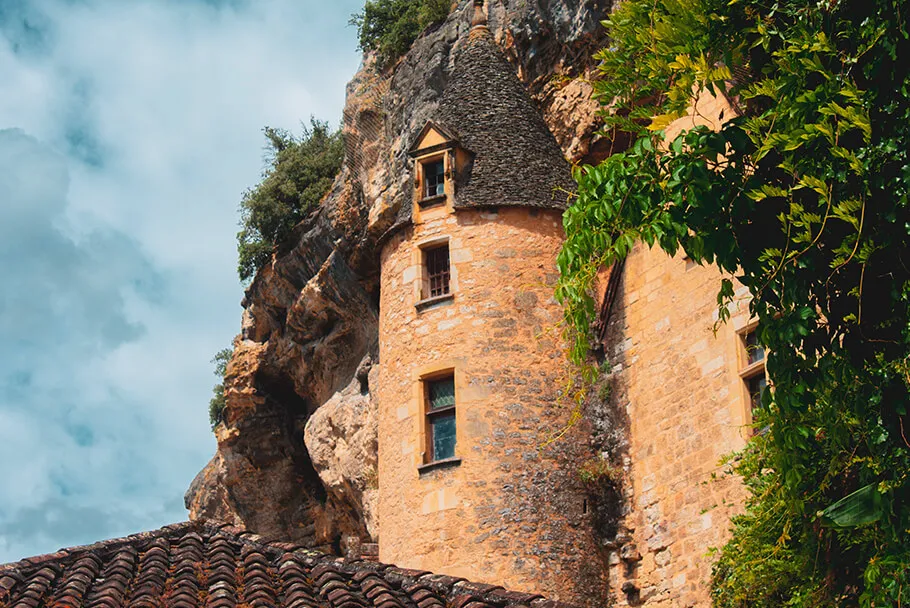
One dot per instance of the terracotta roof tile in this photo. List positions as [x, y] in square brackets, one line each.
[199, 565]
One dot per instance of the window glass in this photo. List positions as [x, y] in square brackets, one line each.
[443, 429]
[442, 394]
[440, 412]
[756, 384]
[754, 350]
[434, 179]
[753, 372]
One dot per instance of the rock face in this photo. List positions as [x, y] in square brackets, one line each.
[295, 448]
[341, 438]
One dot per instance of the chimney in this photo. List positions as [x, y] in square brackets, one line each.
[480, 17]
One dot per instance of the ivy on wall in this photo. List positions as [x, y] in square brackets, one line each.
[803, 196]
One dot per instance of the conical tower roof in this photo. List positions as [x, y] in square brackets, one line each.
[517, 161]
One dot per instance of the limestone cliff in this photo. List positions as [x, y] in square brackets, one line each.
[296, 452]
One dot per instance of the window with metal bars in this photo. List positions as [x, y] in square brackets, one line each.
[436, 262]
[440, 417]
[434, 178]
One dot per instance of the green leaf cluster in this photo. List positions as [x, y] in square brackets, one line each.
[300, 171]
[217, 402]
[803, 197]
[390, 27]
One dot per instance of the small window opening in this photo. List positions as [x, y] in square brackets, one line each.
[754, 350]
[755, 385]
[438, 272]
[440, 414]
[753, 372]
[434, 178]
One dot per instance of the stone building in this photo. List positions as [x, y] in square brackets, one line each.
[398, 389]
[471, 359]
[472, 369]
[686, 386]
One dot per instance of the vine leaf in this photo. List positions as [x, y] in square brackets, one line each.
[862, 507]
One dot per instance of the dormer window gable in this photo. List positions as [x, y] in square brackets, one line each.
[437, 156]
[433, 139]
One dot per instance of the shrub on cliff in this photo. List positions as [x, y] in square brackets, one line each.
[217, 402]
[389, 27]
[300, 172]
[805, 196]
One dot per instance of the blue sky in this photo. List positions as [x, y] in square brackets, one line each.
[128, 132]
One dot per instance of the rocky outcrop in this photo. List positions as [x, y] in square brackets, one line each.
[341, 439]
[310, 316]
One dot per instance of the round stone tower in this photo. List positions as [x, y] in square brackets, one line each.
[471, 481]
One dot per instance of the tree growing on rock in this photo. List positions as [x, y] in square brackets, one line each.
[300, 171]
[389, 27]
[217, 402]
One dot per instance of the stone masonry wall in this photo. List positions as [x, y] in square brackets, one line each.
[679, 384]
[512, 512]
[308, 316]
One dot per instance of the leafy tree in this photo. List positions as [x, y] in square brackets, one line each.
[389, 27]
[301, 170]
[217, 402]
[804, 197]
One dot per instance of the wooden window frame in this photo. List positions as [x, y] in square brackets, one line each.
[750, 370]
[430, 460]
[426, 199]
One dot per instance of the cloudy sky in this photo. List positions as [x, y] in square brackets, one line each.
[128, 131]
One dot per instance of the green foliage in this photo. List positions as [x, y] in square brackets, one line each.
[301, 170]
[390, 27]
[862, 507]
[599, 470]
[804, 197]
[217, 402]
[605, 391]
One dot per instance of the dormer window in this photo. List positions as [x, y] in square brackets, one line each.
[434, 178]
[439, 162]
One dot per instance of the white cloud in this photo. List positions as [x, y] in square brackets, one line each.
[140, 128]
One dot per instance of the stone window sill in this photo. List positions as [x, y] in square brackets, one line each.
[438, 464]
[430, 302]
[753, 369]
[432, 201]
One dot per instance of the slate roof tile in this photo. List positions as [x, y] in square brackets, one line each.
[200, 565]
[487, 109]
[517, 160]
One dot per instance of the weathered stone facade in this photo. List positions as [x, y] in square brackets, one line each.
[512, 512]
[507, 506]
[678, 382]
[310, 313]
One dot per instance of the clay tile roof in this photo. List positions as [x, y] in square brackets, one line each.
[196, 565]
[517, 161]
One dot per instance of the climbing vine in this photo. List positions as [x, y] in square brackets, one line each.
[802, 195]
